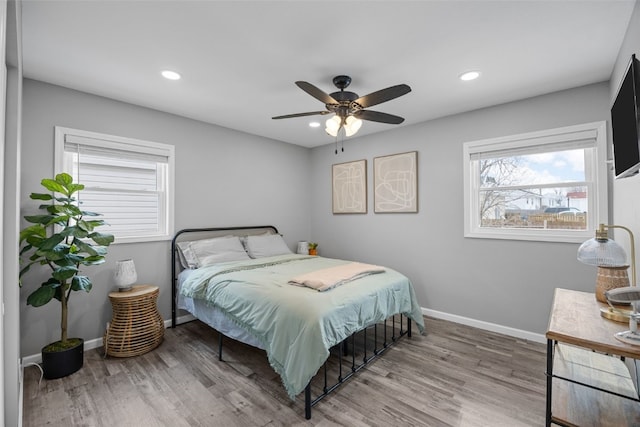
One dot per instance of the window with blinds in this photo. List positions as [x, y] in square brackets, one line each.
[549, 185]
[128, 181]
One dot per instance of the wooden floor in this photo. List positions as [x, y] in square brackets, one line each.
[454, 375]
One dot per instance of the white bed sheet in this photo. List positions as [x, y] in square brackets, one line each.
[212, 316]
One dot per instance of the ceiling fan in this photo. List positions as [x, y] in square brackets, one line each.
[349, 108]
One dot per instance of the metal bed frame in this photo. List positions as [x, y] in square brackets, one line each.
[368, 351]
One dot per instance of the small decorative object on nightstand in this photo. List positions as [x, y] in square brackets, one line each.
[303, 248]
[136, 327]
[125, 275]
[313, 248]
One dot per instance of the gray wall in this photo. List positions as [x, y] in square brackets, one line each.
[228, 178]
[626, 192]
[504, 282]
[223, 178]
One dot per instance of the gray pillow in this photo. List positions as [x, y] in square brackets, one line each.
[198, 253]
[266, 245]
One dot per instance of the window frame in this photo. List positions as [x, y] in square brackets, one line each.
[132, 145]
[596, 177]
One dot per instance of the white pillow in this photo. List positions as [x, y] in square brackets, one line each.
[266, 245]
[210, 251]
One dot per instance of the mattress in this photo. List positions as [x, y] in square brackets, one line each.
[213, 316]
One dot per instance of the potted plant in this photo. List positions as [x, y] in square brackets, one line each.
[62, 239]
[313, 248]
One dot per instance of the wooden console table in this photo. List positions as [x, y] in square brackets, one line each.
[592, 388]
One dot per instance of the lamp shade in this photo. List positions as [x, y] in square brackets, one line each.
[602, 253]
[125, 275]
[352, 125]
[333, 125]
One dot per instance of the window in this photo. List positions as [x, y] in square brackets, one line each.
[549, 185]
[128, 181]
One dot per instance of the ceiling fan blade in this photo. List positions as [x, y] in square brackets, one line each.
[382, 95]
[312, 113]
[376, 116]
[316, 93]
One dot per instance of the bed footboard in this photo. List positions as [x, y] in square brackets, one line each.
[353, 354]
[349, 357]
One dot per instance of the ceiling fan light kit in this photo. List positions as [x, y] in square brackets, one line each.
[350, 125]
[348, 108]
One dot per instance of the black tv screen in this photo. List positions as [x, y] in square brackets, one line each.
[625, 124]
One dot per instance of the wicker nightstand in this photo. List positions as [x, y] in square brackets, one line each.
[136, 326]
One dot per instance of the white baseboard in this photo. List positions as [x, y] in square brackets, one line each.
[493, 327]
[20, 392]
[37, 358]
[97, 342]
[181, 319]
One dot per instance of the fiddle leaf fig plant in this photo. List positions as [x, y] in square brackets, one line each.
[63, 239]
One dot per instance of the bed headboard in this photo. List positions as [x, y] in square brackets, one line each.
[191, 234]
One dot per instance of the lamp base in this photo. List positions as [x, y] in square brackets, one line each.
[628, 337]
[617, 315]
[125, 289]
[610, 278]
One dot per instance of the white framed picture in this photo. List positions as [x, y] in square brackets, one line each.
[395, 182]
[349, 187]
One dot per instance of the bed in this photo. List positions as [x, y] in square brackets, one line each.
[248, 285]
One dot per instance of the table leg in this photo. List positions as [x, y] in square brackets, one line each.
[549, 373]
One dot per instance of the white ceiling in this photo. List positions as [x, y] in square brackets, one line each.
[239, 59]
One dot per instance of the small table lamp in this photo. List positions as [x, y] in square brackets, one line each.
[611, 260]
[303, 248]
[125, 275]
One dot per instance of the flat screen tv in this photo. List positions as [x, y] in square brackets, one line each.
[625, 123]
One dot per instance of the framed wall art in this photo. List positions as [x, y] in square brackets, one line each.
[349, 187]
[395, 183]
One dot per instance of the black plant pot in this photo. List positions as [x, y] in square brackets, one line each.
[58, 364]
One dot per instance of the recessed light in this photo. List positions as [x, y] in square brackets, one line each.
[469, 75]
[171, 75]
[314, 124]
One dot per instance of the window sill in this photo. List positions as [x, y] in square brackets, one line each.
[140, 239]
[558, 236]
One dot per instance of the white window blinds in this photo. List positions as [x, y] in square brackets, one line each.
[534, 145]
[127, 181]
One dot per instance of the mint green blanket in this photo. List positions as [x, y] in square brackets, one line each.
[297, 325]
